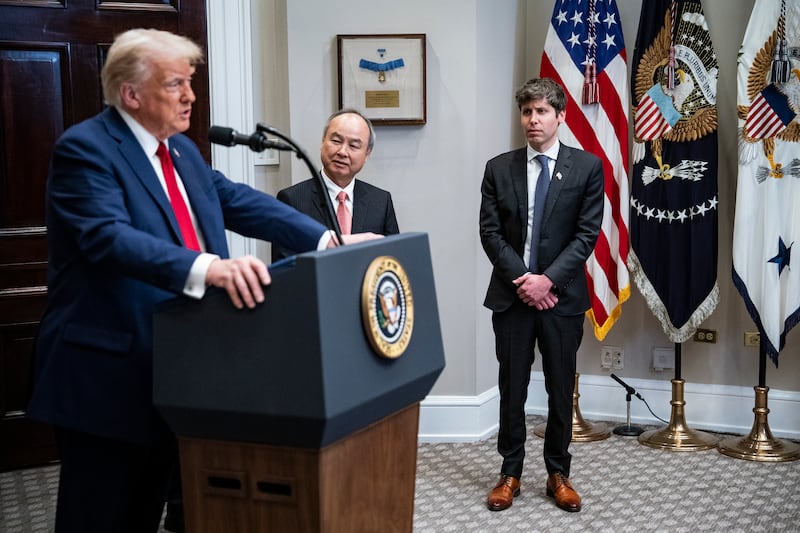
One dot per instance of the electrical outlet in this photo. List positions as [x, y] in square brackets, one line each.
[607, 356]
[705, 335]
[618, 358]
[752, 338]
[663, 359]
[266, 158]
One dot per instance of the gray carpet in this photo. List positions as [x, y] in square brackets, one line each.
[625, 486]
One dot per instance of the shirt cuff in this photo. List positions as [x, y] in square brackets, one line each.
[195, 286]
[324, 240]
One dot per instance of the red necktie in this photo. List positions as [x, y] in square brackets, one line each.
[343, 214]
[176, 199]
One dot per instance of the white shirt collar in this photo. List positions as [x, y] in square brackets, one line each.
[333, 189]
[551, 152]
[147, 140]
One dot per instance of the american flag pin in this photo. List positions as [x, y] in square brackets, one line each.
[177, 153]
[558, 175]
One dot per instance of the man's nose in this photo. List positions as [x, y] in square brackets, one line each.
[188, 94]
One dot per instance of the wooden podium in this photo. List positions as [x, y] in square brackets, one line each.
[287, 417]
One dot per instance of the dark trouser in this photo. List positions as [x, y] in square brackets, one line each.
[517, 330]
[111, 486]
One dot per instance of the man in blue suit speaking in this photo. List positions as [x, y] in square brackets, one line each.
[135, 217]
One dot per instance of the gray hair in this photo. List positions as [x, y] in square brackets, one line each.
[346, 111]
[542, 88]
[130, 58]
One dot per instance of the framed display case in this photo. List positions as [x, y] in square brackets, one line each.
[383, 76]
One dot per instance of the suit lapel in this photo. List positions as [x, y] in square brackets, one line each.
[140, 166]
[360, 207]
[519, 181]
[319, 202]
[561, 174]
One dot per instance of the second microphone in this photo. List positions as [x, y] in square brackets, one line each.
[257, 142]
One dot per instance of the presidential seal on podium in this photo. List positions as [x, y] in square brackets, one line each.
[387, 307]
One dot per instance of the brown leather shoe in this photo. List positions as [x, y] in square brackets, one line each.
[503, 493]
[559, 487]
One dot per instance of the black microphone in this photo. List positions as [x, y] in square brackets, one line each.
[628, 430]
[628, 388]
[257, 142]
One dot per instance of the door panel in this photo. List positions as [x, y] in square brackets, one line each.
[51, 53]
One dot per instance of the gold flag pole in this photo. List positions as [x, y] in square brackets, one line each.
[677, 436]
[760, 445]
[582, 431]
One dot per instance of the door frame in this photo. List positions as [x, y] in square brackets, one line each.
[230, 79]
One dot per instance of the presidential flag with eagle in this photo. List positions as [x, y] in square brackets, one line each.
[767, 219]
[673, 257]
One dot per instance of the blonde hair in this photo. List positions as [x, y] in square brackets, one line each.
[130, 58]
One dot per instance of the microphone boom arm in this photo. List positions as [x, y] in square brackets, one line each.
[332, 220]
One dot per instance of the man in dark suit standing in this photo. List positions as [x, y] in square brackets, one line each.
[541, 211]
[347, 142]
[135, 217]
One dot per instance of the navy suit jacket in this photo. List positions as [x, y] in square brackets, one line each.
[373, 210]
[115, 253]
[571, 224]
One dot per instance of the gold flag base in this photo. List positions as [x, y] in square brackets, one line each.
[676, 436]
[760, 445]
[582, 431]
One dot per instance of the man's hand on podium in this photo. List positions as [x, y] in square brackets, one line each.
[354, 238]
[243, 278]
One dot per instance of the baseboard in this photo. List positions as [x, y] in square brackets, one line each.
[459, 418]
[719, 408]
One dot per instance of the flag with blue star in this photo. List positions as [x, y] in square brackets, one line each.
[767, 220]
[673, 257]
[784, 256]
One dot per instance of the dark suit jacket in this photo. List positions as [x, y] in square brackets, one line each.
[373, 209]
[115, 252]
[571, 224]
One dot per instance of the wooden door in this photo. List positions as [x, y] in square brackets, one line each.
[51, 52]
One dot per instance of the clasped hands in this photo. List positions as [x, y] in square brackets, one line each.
[244, 278]
[535, 290]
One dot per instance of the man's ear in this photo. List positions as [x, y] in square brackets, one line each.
[128, 96]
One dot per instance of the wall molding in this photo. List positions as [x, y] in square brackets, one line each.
[231, 93]
[719, 408]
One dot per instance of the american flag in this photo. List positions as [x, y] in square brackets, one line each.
[581, 34]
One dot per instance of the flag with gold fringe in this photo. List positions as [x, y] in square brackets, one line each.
[767, 218]
[585, 52]
[673, 258]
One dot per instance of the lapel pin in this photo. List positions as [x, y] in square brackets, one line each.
[178, 154]
[558, 175]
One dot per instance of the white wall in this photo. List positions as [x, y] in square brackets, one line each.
[478, 52]
[433, 171]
